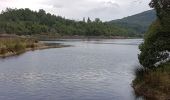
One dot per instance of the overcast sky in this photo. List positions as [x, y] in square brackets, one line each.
[77, 9]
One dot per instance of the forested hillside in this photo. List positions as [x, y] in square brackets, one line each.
[28, 22]
[138, 23]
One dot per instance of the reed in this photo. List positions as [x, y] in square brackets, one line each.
[16, 45]
[153, 84]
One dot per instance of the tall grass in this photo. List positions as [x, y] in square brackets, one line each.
[16, 45]
[154, 83]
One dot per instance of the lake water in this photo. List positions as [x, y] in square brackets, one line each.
[88, 70]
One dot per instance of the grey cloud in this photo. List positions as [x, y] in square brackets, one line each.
[58, 6]
[105, 11]
[112, 4]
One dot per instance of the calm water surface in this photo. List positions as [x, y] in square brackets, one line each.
[89, 70]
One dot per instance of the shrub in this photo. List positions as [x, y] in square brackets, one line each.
[156, 47]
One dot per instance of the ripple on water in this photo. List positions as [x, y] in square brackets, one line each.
[95, 70]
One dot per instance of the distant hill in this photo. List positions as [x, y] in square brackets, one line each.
[138, 23]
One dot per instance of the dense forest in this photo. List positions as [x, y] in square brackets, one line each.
[28, 22]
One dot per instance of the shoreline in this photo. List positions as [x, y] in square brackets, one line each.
[146, 92]
[41, 46]
[46, 38]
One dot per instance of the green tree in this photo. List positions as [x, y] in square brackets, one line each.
[156, 47]
[26, 21]
[88, 20]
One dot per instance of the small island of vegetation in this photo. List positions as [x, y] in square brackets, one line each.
[153, 79]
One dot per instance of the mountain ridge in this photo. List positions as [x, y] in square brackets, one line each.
[139, 23]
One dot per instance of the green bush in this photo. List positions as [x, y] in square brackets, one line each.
[156, 46]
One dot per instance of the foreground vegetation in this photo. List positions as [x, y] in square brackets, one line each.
[153, 80]
[153, 84]
[27, 22]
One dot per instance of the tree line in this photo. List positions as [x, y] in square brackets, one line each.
[28, 22]
[153, 79]
[156, 48]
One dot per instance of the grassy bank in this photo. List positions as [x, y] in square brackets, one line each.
[15, 46]
[153, 84]
[9, 46]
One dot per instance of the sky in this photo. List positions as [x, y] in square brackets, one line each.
[106, 10]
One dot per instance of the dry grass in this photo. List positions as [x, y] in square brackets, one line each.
[15, 45]
[154, 84]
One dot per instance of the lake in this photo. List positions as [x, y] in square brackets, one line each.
[88, 70]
